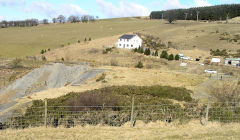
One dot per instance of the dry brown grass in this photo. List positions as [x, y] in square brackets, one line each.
[152, 131]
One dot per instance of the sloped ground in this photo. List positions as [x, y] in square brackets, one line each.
[48, 76]
[152, 131]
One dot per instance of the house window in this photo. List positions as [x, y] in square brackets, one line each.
[127, 45]
[127, 40]
[120, 39]
[131, 45]
[119, 44]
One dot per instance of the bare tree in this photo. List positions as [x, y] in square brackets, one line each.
[73, 19]
[61, 19]
[54, 20]
[45, 21]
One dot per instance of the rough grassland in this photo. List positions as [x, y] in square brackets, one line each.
[151, 131]
[28, 41]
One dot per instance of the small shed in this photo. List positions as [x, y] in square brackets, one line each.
[216, 60]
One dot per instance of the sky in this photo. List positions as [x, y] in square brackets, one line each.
[41, 9]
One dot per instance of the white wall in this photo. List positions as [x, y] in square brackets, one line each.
[133, 43]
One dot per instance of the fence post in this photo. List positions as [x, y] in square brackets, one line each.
[45, 118]
[132, 122]
[207, 112]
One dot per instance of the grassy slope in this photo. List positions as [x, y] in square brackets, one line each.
[151, 131]
[17, 42]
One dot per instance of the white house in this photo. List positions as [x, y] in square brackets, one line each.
[232, 61]
[129, 42]
[216, 60]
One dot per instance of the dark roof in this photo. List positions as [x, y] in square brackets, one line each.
[127, 36]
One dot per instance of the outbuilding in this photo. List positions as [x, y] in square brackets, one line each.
[232, 61]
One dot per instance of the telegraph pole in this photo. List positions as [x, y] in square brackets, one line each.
[197, 15]
[227, 18]
[186, 14]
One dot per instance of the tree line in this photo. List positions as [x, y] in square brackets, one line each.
[58, 19]
[214, 13]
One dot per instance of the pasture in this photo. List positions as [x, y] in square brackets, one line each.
[29, 41]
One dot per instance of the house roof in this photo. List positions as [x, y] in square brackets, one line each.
[233, 59]
[127, 36]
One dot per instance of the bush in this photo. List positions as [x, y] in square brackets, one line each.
[16, 63]
[62, 59]
[85, 39]
[164, 55]
[177, 57]
[42, 52]
[89, 39]
[107, 50]
[114, 62]
[44, 58]
[79, 41]
[101, 78]
[49, 49]
[139, 65]
[219, 52]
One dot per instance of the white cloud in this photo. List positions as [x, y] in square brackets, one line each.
[201, 3]
[124, 9]
[172, 4]
[11, 2]
[48, 10]
[2, 18]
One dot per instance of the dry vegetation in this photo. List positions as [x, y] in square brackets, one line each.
[151, 131]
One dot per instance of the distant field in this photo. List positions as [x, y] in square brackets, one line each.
[29, 41]
[151, 131]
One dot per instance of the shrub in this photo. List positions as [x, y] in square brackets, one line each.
[139, 65]
[42, 52]
[49, 49]
[16, 63]
[44, 58]
[62, 59]
[107, 50]
[164, 55]
[79, 41]
[101, 78]
[177, 57]
[114, 62]
[219, 52]
[171, 57]
[89, 39]
[85, 39]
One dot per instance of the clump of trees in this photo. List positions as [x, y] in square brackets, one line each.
[219, 52]
[170, 57]
[219, 12]
[19, 23]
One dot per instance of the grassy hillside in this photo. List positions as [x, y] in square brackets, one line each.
[28, 41]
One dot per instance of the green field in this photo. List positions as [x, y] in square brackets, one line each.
[29, 41]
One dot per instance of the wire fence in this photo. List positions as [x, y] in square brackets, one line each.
[70, 116]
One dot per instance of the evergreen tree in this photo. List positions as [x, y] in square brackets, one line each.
[156, 53]
[177, 57]
[139, 65]
[147, 51]
[171, 57]
[164, 55]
